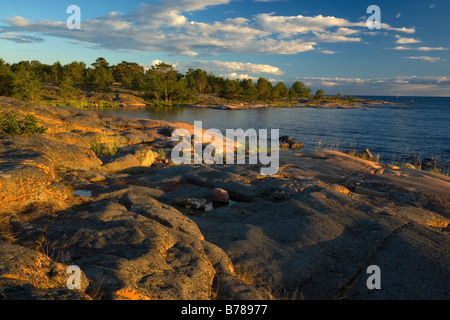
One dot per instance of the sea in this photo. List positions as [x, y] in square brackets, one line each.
[411, 129]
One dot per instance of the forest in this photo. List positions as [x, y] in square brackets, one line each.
[25, 81]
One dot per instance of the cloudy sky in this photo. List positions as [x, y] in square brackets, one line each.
[324, 43]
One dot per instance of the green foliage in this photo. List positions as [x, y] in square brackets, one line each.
[85, 104]
[11, 125]
[161, 85]
[197, 80]
[6, 79]
[105, 146]
[264, 88]
[320, 95]
[67, 91]
[26, 85]
[161, 153]
[299, 90]
[280, 92]
[129, 74]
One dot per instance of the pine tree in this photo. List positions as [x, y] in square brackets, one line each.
[26, 85]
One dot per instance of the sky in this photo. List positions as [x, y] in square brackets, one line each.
[327, 44]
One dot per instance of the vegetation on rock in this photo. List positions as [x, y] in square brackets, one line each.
[11, 124]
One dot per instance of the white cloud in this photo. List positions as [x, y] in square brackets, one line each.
[421, 48]
[401, 40]
[327, 52]
[18, 21]
[427, 59]
[230, 66]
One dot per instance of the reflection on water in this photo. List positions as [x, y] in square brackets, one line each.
[391, 131]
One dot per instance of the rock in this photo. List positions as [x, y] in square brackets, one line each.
[409, 166]
[286, 139]
[285, 146]
[369, 154]
[192, 204]
[220, 196]
[28, 168]
[120, 162]
[26, 274]
[143, 154]
[134, 255]
[297, 145]
[369, 192]
[392, 167]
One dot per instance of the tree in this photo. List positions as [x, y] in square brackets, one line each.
[166, 75]
[231, 90]
[101, 78]
[129, 74]
[264, 88]
[152, 86]
[26, 85]
[320, 95]
[299, 90]
[66, 88]
[56, 72]
[197, 80]
[249, 92]
[280, 92]
[6, 79]
[75, 71]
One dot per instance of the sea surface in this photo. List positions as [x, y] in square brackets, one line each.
[413, 128]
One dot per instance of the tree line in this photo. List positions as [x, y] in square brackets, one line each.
[25, 80]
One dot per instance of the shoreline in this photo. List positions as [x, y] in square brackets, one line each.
[150, 229]
[359, 103]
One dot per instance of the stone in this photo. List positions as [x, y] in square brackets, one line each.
[120, 162]
[143, 154]
[31, 275]
[409, 166]
[220, 196]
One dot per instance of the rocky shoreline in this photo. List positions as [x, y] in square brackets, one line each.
[132, 224]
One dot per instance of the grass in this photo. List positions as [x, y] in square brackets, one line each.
[7, 234]
[85, 104]
[105, 145]
[162, 154]
[282, 105]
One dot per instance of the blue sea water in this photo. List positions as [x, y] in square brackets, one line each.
[415, 127]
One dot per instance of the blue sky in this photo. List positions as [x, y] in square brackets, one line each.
[324, 43]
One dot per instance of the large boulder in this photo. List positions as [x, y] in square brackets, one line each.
[29, 165]
[27, 274]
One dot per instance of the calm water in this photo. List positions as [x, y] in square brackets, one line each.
[419, 130]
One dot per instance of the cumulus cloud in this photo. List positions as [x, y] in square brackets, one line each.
[165, 27]
[231, 67]
[401, 40]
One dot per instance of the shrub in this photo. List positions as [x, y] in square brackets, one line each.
[106, 146]
[10, 124]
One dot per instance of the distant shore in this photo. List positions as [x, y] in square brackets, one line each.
[305, 103]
